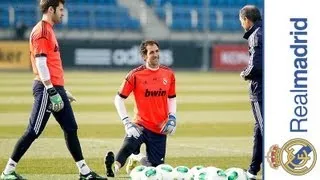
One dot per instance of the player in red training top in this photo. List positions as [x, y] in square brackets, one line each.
[153, 87]
[49, 93]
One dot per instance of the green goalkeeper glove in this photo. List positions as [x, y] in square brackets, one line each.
[55, 99]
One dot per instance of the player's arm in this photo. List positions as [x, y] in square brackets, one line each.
[44, 74]
[172, 105]
[43, 70]
[171, 124]
[120, 106]
[126, 88]
[172, 101]
[40, 46]
[254, 68]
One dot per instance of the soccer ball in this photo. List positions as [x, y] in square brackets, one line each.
[137, 172]
[215, 173]
[151, 173]
[182, 173]
[236, 174]
[195, 170]
[166, 171]
[211, 173]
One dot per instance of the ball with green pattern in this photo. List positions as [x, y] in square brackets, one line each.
[210, 173]
[182, 173]
[236, 174]
[166, 171]
[137, 172]
[151, 173]
[195, 170]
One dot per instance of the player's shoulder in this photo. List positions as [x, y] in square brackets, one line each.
[41, 30]
[166, 69]
[139, 69]
[257, 37]
[136, 70]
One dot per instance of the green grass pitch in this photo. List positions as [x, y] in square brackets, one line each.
[215, 122]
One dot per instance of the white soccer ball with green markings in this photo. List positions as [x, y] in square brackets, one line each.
[182, 173]
[166, 171]
[195, 170]
[210, 173]
[137, 172]
[151, 173]
[236, 174]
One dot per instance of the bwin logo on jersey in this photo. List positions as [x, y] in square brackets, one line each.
[297, 157]
[159, 92]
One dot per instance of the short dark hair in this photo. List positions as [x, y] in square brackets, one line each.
[45, 4]
[144, 44]
[251, 12]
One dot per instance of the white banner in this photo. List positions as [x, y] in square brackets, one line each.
[117, 57]
[292, 93]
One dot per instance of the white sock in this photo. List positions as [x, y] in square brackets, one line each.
[11, 166]
[83, 167]
[137, 157]
[116, 167]
[251, 175]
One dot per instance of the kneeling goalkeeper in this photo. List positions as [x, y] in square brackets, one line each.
[153, 87]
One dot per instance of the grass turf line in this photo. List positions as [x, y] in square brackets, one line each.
[116, 131]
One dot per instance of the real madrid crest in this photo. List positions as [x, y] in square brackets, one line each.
[297, 156]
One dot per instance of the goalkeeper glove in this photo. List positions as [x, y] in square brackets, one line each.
[131, 128]
[70, 96]
[55, 99]
[170, 126]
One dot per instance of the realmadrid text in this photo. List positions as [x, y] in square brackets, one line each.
[299, 91]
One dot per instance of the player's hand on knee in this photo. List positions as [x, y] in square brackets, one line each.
[131, 128]
[55, 99]
[170, 125]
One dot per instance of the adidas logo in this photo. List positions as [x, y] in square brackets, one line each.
[83, 165]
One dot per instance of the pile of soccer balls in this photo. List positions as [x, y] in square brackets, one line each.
[167, 172]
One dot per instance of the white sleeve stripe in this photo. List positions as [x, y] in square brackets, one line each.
[43, 71]
[254, 39]
[120, 106]
[248, 70]
[253, 43]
